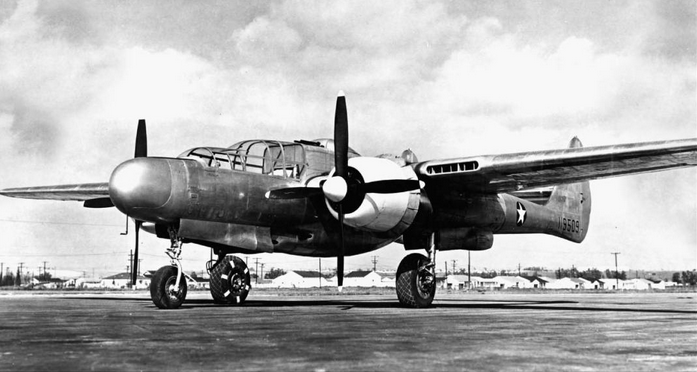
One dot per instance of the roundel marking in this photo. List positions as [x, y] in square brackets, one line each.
[521, 214]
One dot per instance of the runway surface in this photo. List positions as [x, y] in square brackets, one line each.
[479, 332]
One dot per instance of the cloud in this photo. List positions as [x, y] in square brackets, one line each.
[445, 82]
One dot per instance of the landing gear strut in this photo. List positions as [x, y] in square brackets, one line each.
[416, 279]
[168, 286]
[230, 280]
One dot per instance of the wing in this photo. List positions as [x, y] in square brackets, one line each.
[514, 172]
[93, 194]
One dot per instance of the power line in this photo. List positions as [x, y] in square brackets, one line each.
[61, 254]
[60, 223]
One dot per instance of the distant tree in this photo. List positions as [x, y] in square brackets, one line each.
[18, 278]
[534, 268]
[611, 275]
[689, 277]
[489, 274]
[44, 277]
[274, 273]
[6, 278]
[194, 275]
[567, 273]
[676, 277]
[328, 275]
[591, 274]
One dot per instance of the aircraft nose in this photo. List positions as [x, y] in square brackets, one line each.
[140, 184]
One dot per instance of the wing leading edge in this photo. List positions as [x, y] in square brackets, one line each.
[76, 192]
[525, 170]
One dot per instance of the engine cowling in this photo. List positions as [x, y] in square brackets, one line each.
[389, 213]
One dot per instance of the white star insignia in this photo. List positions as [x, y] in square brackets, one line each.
[521, 214]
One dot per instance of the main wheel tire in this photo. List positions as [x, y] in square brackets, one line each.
[413, 289]
[163, 292]
[230, 281]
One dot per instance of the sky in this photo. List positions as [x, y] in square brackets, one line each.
[445, 79]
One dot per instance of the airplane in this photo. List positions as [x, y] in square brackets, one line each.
[321, 198]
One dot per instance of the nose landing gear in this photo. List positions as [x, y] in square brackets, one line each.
[168, 286]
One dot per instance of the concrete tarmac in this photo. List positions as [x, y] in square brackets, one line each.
[477, 332]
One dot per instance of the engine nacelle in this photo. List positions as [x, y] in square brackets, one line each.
[382, 213]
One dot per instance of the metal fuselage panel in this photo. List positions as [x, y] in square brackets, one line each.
[566, 214]
[228, 210]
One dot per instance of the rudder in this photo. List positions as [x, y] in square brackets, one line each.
[572, 202]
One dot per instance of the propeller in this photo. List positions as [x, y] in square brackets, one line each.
[345, 189]
[341, 138]
[141, 151]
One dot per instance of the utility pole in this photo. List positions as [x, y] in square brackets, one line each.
[262, 271]
[45, 262]
[446, 268]
[130, 263]
[320, 273]
[256, 270]
[617, 275]
[21, 266]
[375, 262]
[469, 272]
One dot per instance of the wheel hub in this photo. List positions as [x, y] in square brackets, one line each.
[236, 283]
[425, 282]
[172, 290]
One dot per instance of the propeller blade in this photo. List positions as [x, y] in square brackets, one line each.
[134, 272]
[340, 257]
[341, 139]
[294, 193]
[141, 140]
[389, 186]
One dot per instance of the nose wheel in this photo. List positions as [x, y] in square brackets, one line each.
[168, 286]
[165, 290]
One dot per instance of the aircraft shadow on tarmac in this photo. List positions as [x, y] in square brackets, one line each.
[348, 304]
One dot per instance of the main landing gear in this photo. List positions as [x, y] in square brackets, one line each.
[230, 280]
[416, 279]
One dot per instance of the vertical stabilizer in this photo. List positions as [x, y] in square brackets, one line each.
[572, 202]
